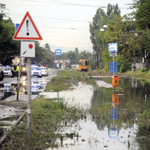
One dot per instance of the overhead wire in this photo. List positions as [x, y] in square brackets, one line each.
[66, 3]
[74, 4]
[56, 18]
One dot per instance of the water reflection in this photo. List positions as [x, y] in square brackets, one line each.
[113, 123]
[7, 90]
[113, 132]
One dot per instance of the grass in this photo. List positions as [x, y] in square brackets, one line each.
[47, 116]
[139, 73]
[72, 73]
[54, 86]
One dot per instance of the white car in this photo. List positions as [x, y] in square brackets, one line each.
[35, 86]
[44, 71]
[7, 71]
[35, 71]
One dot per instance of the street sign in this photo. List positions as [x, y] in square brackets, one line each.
[113, 134]
[17, 26]
[115, 67]
[27, 49]
[113, 54]
[27, 30]
[58, 52]
[112, 47]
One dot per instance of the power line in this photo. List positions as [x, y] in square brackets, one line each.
[67, 3]
[55, 18]
[74, 4]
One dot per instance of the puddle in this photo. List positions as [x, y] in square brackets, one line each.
[88, 134]
[79, 95]
[115, 125]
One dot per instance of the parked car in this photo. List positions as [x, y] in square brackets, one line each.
[44, 71]
[1, 72]
[7, 71]
[35, 71]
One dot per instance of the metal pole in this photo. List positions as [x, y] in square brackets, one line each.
[113, 66]
[58, 73]
[19, 79]
[113, 117]
[29, 97]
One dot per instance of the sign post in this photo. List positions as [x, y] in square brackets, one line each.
[27, 31]
[58, 53]
[113, 52]
[112, 47]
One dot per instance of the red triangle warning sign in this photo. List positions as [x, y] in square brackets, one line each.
[27, 30]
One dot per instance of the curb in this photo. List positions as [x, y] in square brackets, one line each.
[11, 128]
[13, 105]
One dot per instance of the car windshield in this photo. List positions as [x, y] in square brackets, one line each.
[7, 68]
[42, 68]
[35, 68]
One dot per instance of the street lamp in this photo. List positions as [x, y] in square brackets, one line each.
[102, 30]
[3, 6]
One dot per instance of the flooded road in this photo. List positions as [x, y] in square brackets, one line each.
[110, 119]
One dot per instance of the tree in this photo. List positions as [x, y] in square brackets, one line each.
[8, 47]
[141, 13]
[42, 55]
[47, 47]
[76, 51]
[101, 18]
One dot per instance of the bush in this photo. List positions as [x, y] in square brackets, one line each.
[143, 70]
[90, 77]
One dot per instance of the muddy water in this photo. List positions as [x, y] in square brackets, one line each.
[112, 122]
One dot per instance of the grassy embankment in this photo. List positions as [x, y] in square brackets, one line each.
[48, 117]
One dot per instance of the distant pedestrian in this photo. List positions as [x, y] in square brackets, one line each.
[12, 70]
[17, 71]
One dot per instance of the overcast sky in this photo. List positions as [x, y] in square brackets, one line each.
[63, 24]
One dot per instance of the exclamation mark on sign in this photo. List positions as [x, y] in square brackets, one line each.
[27, 25]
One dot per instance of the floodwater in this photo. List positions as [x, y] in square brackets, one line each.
[112, 122]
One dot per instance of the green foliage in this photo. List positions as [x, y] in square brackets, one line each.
[143, 70]
[92, 65]
[142, 13]
[106, 59]
[42, 55]
[53, 105]
[79, 78]
[90, 77]
[8, 46]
